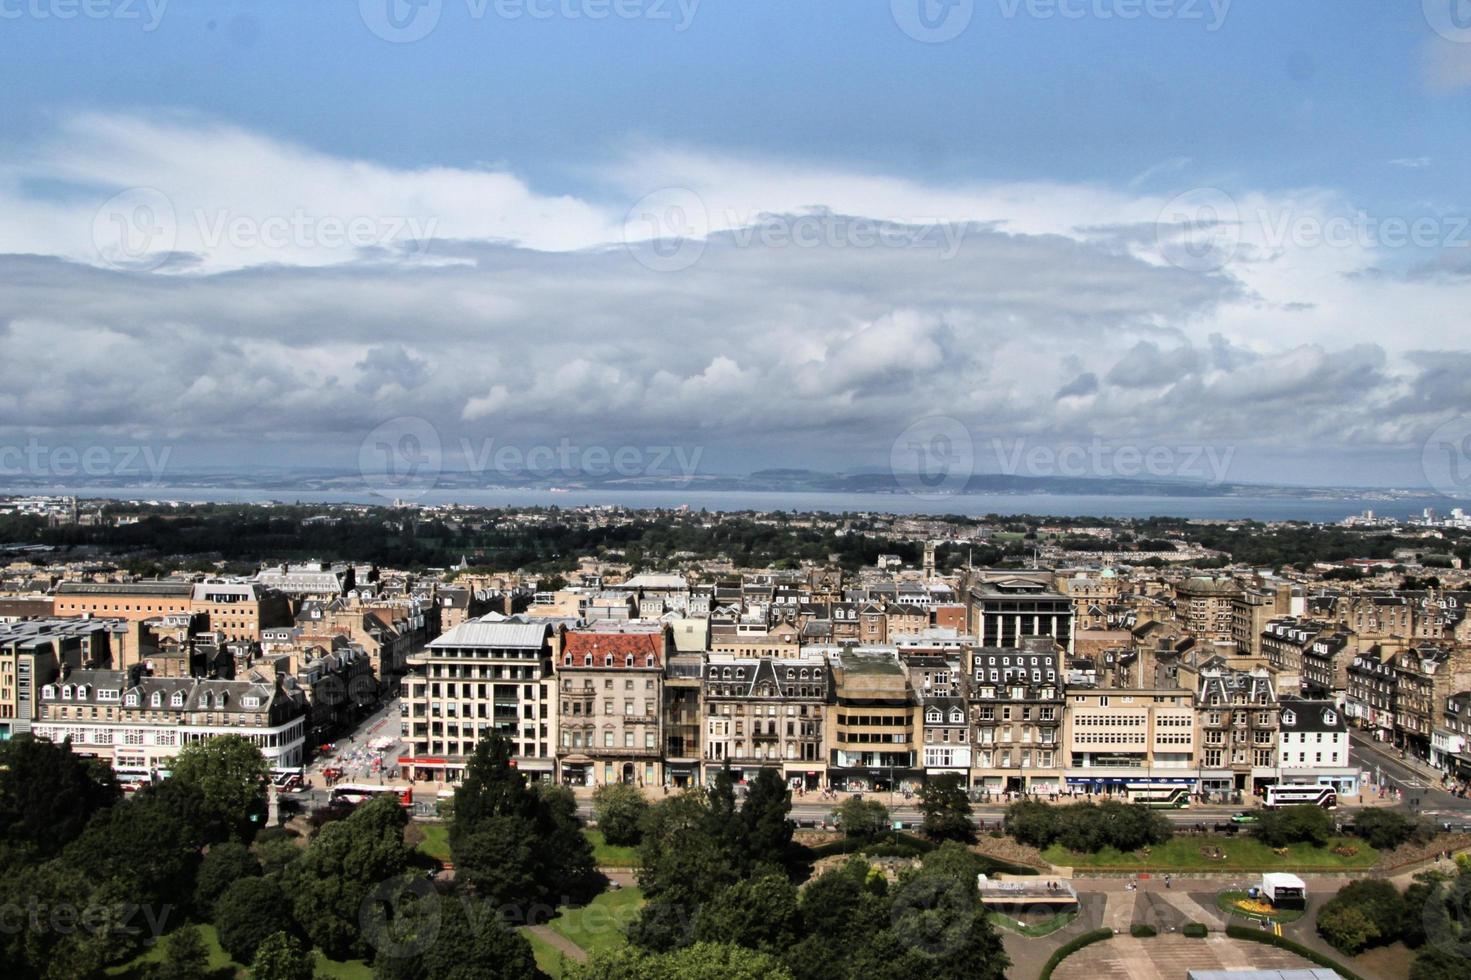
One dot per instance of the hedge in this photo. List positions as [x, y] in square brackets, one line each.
[1069, 948]
[1195, 930]
[1270, 939]
[1141, 931]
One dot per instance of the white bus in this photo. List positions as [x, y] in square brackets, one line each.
[1323, 796]
[355, 793]
[1159, 797]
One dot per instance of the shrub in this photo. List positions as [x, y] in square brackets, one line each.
[1087, 827]
[1294, 825]
[1281, 942]
[619, 809]
[1384, 830]
[1069, 948]
[1195, 930]
[1141, 931]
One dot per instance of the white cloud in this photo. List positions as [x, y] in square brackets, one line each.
[527, 318]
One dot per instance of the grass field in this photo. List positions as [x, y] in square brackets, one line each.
[218, 958]
[610, 855]
[436, 840]
[1186, 854]
[600, 924]
[1044, 928]
[221, 964]
[548, 960]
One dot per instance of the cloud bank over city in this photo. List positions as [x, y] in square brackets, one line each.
[213, 285]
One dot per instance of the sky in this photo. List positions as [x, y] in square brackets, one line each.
[1042, 237]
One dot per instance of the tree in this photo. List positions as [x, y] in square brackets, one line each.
[47, 796]
[511, 844]
[946, 808]
[1366, 912]
[232, 774]
[248, 912]
[149, 848]
[761, 914]
[1032, 822]
[1346, 928]
[619, 808]
[337, 874]
[1383, 830]
[766, 819]
[454, 939]
[704, 961]
[683, 863]
[185, 957]
[862, 818]
[1294, 825]
[1439, 963]
[223, 864]
[281, 957]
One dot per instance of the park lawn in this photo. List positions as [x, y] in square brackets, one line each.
[218, 958]
[219, 961]
[600, 925]
[607, 855]
[1184, 854]
[436, 840]
[548, 957]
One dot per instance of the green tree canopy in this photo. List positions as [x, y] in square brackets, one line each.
[350, 858]
[281, 956]
[232, 774]
[47, 795]
[223, 863]
[247, 913]
[511, 844]
[619, 810]
[946, 808]
[703, 961]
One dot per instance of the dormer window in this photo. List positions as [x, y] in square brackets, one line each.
[156, 701]
[250, 701]
[66, 692]
[177, 701]
[649, 660]
[131, 700]
[48, 692]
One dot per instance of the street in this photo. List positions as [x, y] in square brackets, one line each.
[1422, 790]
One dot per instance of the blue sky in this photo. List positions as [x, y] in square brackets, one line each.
[1058, 137]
